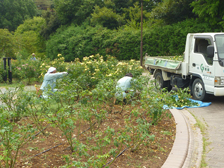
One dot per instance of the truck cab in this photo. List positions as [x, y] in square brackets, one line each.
[204, 54]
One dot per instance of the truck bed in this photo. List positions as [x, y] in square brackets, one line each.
[168, 65]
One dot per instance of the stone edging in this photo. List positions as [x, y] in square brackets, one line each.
[187, 148]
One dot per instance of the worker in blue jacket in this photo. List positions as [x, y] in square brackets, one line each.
[50, 80]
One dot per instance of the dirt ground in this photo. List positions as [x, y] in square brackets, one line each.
[48, 151]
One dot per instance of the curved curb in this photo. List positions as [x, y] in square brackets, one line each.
[195, 151]
[185, 152]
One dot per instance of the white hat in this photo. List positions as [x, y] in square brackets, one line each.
[33, 54]
[51, 69]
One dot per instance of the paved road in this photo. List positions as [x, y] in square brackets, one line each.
[213, 116]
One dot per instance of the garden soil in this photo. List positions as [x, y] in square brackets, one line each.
[49, 151]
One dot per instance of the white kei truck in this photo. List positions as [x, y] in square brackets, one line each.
[202, 69]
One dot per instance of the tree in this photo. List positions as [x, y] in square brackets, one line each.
[7, 45]
[52, 23]
[14, 12]
[209, 11]
[120, 5]
[28, 35]
[43, 4]
[170, 11]
[75, 11]
[106, 17]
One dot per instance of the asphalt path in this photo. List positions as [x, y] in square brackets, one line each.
[213, 118]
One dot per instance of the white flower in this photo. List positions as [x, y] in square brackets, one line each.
[109, 75]
[85, 58]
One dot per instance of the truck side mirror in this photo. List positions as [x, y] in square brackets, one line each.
[210, 51]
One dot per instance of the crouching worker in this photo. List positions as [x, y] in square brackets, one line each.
[123, 88]
[50, 81]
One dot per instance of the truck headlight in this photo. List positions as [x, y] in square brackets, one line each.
[219, 81]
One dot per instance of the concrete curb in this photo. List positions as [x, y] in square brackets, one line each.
[196, 142]
[187, 148]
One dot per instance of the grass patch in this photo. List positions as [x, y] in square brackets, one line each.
[14, 84]
[203, 127]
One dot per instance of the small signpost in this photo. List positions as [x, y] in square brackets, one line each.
[7, 74]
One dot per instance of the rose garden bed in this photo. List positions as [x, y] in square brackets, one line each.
[50, 150]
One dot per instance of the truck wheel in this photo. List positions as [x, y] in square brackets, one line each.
[160, 83]
[198, 90]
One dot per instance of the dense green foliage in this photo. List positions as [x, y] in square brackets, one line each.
[75, 11]
[209, 11]
[170, 11]
[7, 43]
[76, 42]
[14, 12]
[28, 36]
[77, 28]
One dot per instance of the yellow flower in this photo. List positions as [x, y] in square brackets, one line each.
[59, 55]
[85, 58]
[97, 70]
[119, 63]
[91, 56]
[76, 59]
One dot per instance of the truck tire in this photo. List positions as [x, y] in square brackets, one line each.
[198, 90]
[160, 83]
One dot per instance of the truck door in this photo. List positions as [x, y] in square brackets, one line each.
[200, 64]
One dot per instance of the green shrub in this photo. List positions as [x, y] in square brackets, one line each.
[78, 42]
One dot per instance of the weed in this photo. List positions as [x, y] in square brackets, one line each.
[203, 129]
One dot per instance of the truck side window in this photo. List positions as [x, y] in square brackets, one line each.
[201, 47]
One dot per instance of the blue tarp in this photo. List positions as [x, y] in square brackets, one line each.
[200, 104]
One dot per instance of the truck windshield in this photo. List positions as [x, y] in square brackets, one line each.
[220, 45]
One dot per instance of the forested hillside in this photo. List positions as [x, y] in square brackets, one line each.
[78, 28]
